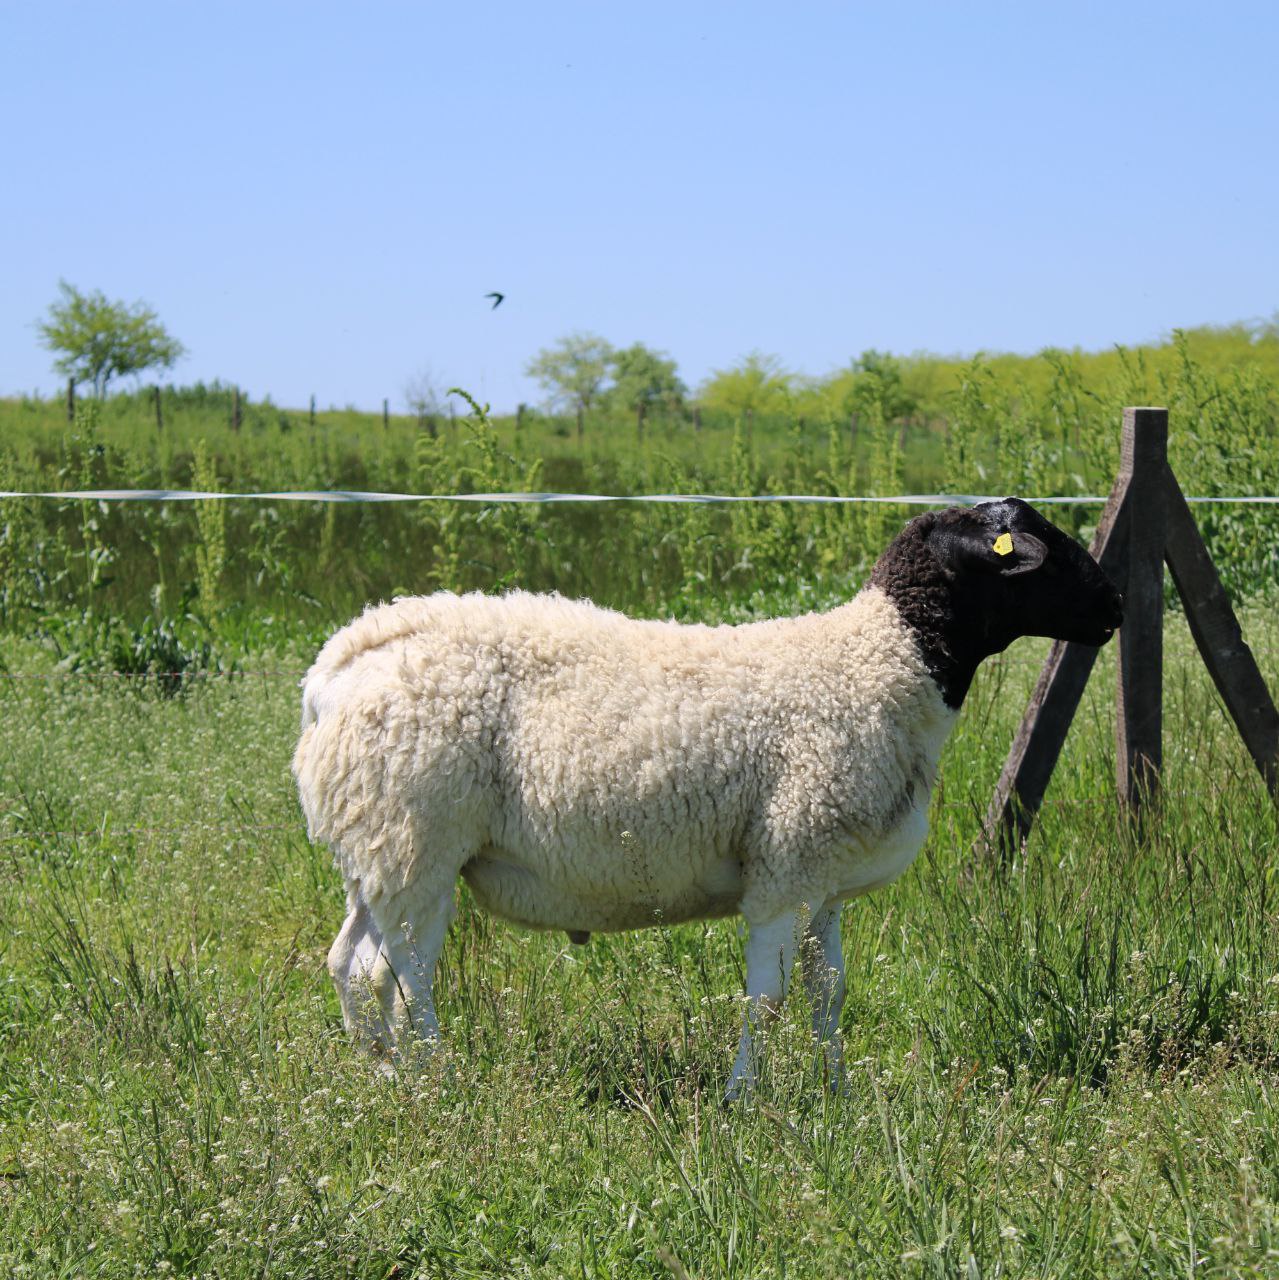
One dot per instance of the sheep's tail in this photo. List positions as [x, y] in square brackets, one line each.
[378, 625]
[313, 757]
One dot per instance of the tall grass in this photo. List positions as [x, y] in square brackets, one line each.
[1071, 1069]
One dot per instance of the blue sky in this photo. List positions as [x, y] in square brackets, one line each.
[316, 197]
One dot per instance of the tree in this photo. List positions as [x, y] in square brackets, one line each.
[573, 372]
[100, 339]
[874, 385]
[877, 379]
[644, 379]
[758, 384]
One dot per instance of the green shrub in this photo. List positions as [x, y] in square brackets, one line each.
[166, 655]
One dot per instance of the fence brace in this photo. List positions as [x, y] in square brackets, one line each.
[1146, 522]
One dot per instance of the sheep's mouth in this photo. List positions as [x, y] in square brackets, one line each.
[1095, 636]
[1111, 620]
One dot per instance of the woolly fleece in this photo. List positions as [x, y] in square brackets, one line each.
[586, 771]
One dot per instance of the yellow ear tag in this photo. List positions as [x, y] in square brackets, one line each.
[1004, 544]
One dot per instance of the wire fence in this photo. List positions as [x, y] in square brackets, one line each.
[168, 676]
[1027, 662]
[999, 662]
[976, 807]
[705, 499]
[103, 833]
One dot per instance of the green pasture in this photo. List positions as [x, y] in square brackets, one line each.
[1068, 1068]
[1064, 1067]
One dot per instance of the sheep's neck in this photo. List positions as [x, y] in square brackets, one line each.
[953, 629]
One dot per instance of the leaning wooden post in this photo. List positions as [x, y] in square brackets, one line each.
[1143, 462]
[1220, 638]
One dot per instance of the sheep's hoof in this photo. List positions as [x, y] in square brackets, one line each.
[578, 937]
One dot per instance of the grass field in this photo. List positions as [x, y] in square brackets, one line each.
[1071, 1069]
[1066, 1069]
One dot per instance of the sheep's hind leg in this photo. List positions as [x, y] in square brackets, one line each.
[413, 938]
[823, 960]
[360, 971]
[770, 953]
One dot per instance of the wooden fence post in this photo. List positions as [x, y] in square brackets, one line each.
[71, 400]
[1143, 460]
[1146, 521]
[1021, 786]
[159, 413]
[235, 409]
[312, 417]
[386, 414]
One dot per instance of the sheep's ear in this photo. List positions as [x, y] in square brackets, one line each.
[1025, 554]
[1004, 553]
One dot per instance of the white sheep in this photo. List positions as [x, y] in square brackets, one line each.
[584, 771]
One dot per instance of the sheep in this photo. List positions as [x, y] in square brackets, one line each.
[585, 771]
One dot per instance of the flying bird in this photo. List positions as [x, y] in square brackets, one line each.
[497, 300]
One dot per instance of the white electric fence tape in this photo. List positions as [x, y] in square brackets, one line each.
[357, 495]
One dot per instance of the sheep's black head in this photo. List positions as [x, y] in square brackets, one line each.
[1034, 579]
[970, 580]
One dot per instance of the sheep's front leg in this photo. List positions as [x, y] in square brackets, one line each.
[823, 960]
[770, 953]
